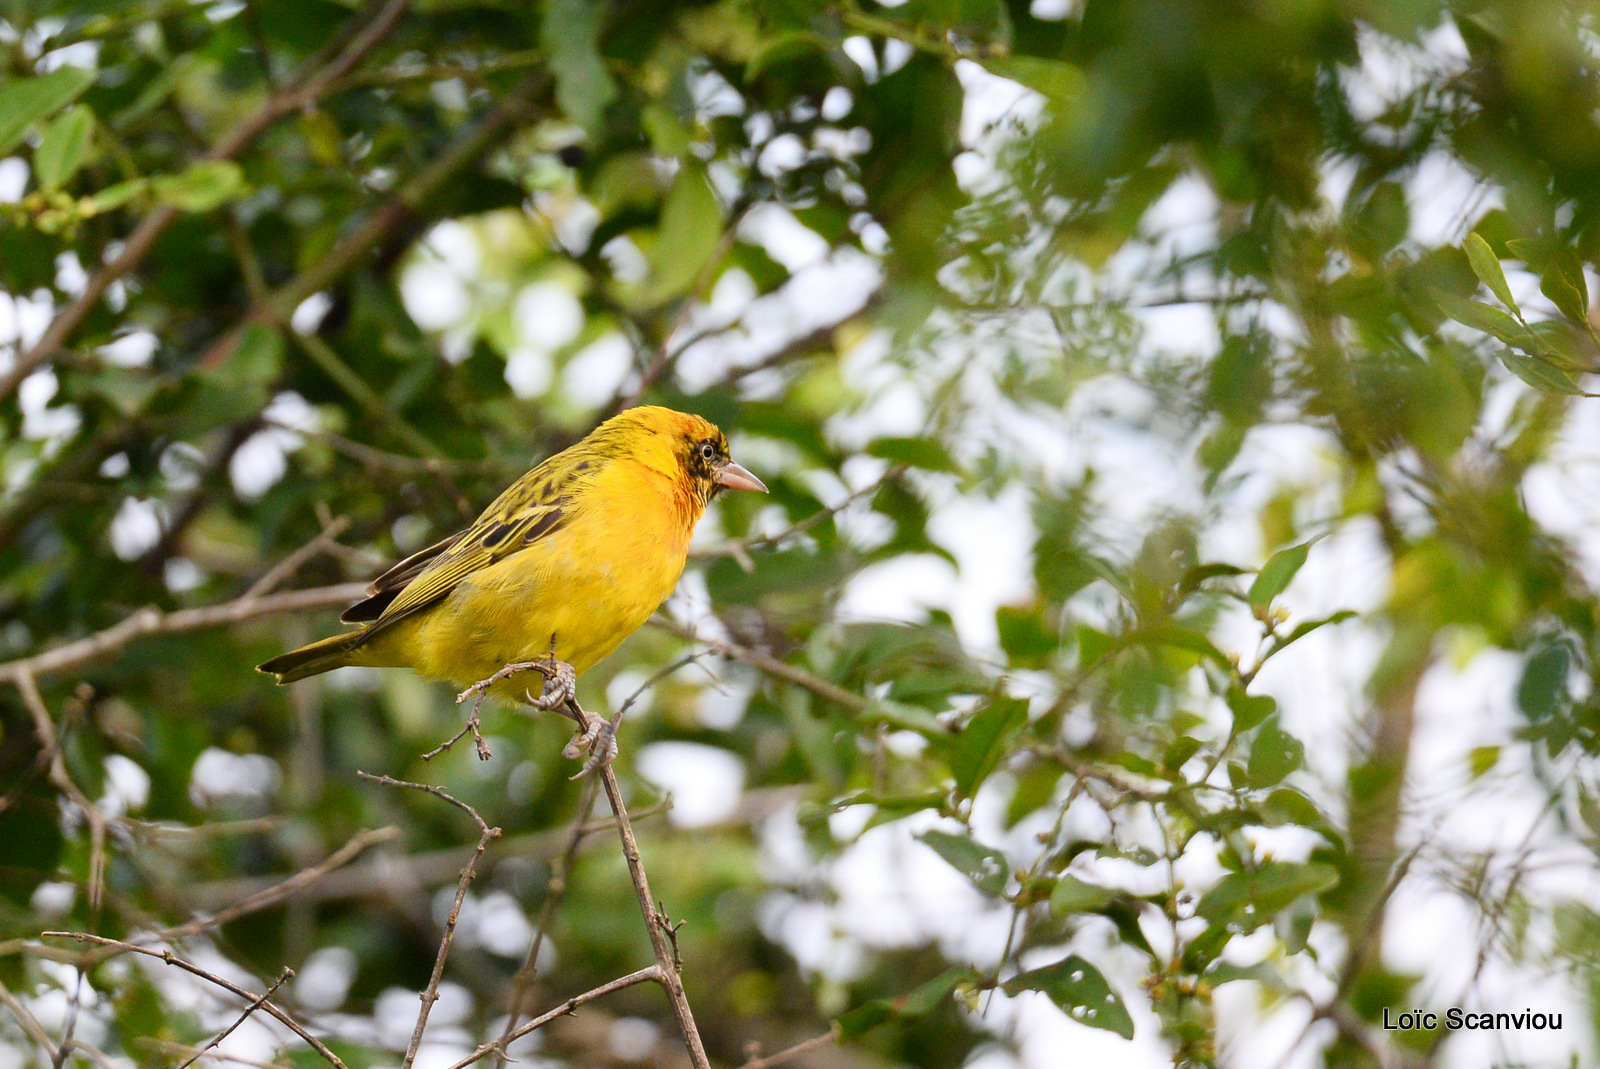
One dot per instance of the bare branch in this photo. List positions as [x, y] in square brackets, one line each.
[661, 933]
[283, 977]
[168, 1047]
[652, 973]
[275, 575]
[555, 891]
[384, 874]
[152, 621]
[45, 728]
[768, 664]
[278, 892]
[739, 548]
[30, 1023]
[172, 959]
[790, 1053]
[431, 994]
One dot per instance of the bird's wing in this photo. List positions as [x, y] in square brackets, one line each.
[532, 508]
[384, 589]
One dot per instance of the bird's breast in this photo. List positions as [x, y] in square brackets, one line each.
[583, 588]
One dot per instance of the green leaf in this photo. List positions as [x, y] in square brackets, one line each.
[114, 197]
[691, 229]
[1538, 374]
[1072, 895]
[1251, 898]
[1480, 759]
[1249, 709]
[779, 50]
[987, 868]
[1486, 318]
[570, 34]
[1544, 680]
[1274, 755]
[1486, 265]
[918, 1002]
[1184, 639]
[1288, 806]
[983, 742]
[1276, 574]
[1564, 284]
[1028, 642]
[1059, 83]
[204, 186]
[62, 149]
[1180, 751]
[25, 102]
[926, 453]
[1301, 630]
[1079, 989]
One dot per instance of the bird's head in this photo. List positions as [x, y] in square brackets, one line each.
[686, 448]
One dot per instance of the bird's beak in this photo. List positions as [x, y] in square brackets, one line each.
[737, 477]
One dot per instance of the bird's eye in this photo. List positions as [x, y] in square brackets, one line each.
[708, 451]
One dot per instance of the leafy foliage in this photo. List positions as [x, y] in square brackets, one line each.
[1052, 601]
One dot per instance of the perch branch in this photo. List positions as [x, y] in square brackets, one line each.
[663, 940]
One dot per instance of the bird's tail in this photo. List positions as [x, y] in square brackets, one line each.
[319, 657]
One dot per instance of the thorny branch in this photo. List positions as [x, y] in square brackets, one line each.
[431, 994]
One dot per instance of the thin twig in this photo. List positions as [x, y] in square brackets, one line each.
[278, 892]
[662, 935]
[555, 891]
[307, 86]
[30, 1023]
[352, 249]
[275, 575]
[654, 972]
[152, 621]
[739, 548]
[283, 978]
[172, 959]
[431, 994]
[768, 664]
[790, 1053]
[166, 1046]
[45, 728]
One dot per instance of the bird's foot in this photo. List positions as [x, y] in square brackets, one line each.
[598, 739]
[560, 684]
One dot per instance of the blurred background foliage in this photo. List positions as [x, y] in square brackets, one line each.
[1158, 397]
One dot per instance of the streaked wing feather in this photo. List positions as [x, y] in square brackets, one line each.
[386, 587]
[532, 508]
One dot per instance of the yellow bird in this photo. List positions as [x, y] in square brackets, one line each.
[570, 560]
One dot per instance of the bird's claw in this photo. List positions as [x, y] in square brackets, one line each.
[599, 739]
[560, 685]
